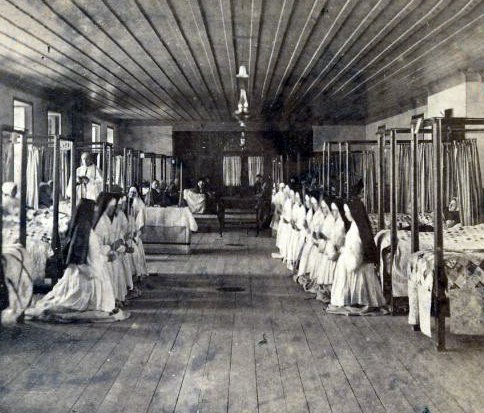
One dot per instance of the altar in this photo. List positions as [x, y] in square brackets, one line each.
[168, 230]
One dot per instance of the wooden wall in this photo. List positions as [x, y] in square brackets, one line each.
[202, 152]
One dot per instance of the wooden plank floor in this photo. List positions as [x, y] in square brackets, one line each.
[189, 347]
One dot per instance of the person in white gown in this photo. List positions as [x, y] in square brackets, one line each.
[308, 281]
[298, 233]
[324, 234]
[124, 235]
[89, 179]
[283, 223]
[356, 287]
[277, 202]
[105, 228]
[334, 228]
[137, 214]
[85, 286]
[309, 243]
[286, 219]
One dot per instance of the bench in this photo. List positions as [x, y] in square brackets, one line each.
[233, 217]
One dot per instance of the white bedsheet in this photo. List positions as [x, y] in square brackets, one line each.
[170, 217]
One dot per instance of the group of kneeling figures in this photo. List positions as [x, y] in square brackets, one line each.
[328, 245]
[104, 261]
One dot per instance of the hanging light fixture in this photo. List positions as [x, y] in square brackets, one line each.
[242, 139]
[242, 73]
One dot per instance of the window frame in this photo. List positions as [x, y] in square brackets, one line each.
[98, 128]
[55, 114]
[25, 103]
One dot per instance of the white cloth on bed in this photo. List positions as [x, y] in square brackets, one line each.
[196, 202]
[170, 217]
[17, 267]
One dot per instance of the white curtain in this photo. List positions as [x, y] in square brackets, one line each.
[256, 167]
[118, 171]
[33, 173]
[232, 170]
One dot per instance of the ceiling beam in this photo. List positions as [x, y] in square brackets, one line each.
[140, 30]
[88, 63]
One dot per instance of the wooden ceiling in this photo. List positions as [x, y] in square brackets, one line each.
[175, 60]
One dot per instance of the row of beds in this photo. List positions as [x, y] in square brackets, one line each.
[411, 275]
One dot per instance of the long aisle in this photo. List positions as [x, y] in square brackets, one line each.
[225, 329]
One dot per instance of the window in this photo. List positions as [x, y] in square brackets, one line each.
[110, 135]
[232, 170]
[255, 167]
[22, 116]
[96, 132]
[54, 123]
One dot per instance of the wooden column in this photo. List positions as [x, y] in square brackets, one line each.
[55, 241]
[23, 190]
[153, 168]
[414, 188]
[328, 169]
[104, 164]
[109, 150]
[125, 169]
[381, 180]
[393, 207]
[340, 169]
[323, 168]
[347, 148]
[439, 275]
[3, 286]
[139, 181]
[73, 172]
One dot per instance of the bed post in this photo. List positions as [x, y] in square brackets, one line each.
[23, 190]
[347, 147]
[110, 167]
[381, 179]
[73, 172]
[393, 207]
[439, 276]
[323, 167]
[104, 172]
[140, 166]
[153, 166]
[340, 169]
[125, 169]
[416, 123]
[3, 286]
[55, 241]
[328, 167]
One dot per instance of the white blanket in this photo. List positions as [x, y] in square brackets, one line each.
[196, 202]
[170, 217]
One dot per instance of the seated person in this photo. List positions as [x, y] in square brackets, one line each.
[155, 196]
[452, 215]
[196, 198]
[173, 192]
[45, 194]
